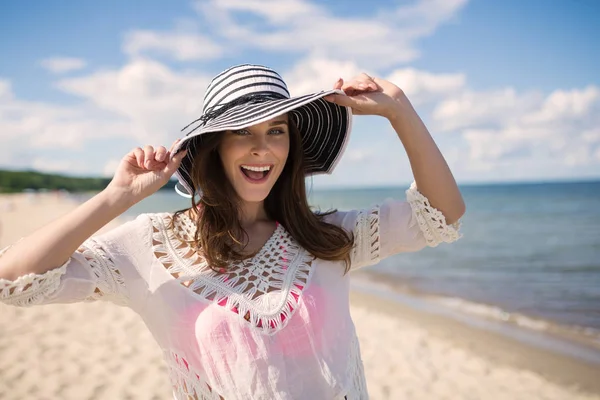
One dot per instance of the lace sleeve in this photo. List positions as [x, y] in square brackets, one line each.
[430, 220]
[394, 227]
[96, 271]
[367, 243]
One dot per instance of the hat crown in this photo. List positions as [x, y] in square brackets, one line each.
[242, 81]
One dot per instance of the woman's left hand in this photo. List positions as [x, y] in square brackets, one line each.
[369, 96]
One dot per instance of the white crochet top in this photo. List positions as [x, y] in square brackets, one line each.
[276, 326]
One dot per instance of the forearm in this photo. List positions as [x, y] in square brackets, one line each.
[432, 174]
[52, 245]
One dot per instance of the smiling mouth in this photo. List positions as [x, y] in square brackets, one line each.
[256, 174]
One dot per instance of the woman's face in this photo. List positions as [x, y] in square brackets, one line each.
[254, 157]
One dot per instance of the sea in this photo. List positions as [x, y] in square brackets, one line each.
[528, 259]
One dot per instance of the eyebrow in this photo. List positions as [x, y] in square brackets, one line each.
[278, 123]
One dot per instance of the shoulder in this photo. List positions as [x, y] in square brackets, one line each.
[145, 219]
[347, 219]
[132, 232]
[172, 225]
[330, 216]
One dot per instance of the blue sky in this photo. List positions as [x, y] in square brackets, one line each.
[509, 90]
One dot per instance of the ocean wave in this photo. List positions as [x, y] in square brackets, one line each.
[488, 312]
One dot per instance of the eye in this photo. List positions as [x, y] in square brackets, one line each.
[276, 131]
[241, 132]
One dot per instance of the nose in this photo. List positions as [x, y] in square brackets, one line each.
[259, 146]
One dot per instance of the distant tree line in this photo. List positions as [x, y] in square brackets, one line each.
[19, 181]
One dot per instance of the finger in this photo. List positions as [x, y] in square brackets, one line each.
[148, 156]
[330, 98]
[338, 84]
[174, 144]
[366, 85]
[175, 162]
[355, 87]
[356, 103]
[139, 156]
[372, 84]
[348, 87]
[363, 81]
[160, 153]
[365, 77]
[340, 100]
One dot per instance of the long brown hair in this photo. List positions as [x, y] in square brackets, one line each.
[218, 227]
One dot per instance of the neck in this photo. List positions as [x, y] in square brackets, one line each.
[252, 212]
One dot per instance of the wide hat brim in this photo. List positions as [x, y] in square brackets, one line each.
[324, 128]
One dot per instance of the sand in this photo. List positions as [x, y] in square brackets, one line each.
[102, 351]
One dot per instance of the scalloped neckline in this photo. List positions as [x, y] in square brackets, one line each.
[290, 266]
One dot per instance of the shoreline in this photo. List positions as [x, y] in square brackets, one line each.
[408, 351]
[498, 348]
[477, 313]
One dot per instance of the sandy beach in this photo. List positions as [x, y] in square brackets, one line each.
[101, 351]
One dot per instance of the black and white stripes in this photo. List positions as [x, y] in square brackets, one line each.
[246, 95]
[238, 81]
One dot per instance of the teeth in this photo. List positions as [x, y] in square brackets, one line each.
[258, 169]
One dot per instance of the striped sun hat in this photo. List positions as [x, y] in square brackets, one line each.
[246, 95]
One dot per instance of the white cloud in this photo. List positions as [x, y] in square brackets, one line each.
[59, 65]
[43, 125]
[5, 90]
[360, 155]
[425, 87]
[180, 46]
[422, 18]
[592, 135]
[155, 100]
[506, 127]
[486, 149]
[578, 155]
[314, 74]
[111, 167]
[277, 12]
[144, 102]
[32, 133]
[489, 108]
[566, 104]
[294, 26]
[597, 154]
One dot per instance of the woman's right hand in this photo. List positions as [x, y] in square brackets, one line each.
[143, 171]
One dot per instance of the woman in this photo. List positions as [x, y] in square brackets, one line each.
[246, 291]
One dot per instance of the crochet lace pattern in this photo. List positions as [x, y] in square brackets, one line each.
[264, 289]
[366, 237]
[431, 220]
[32, 289]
